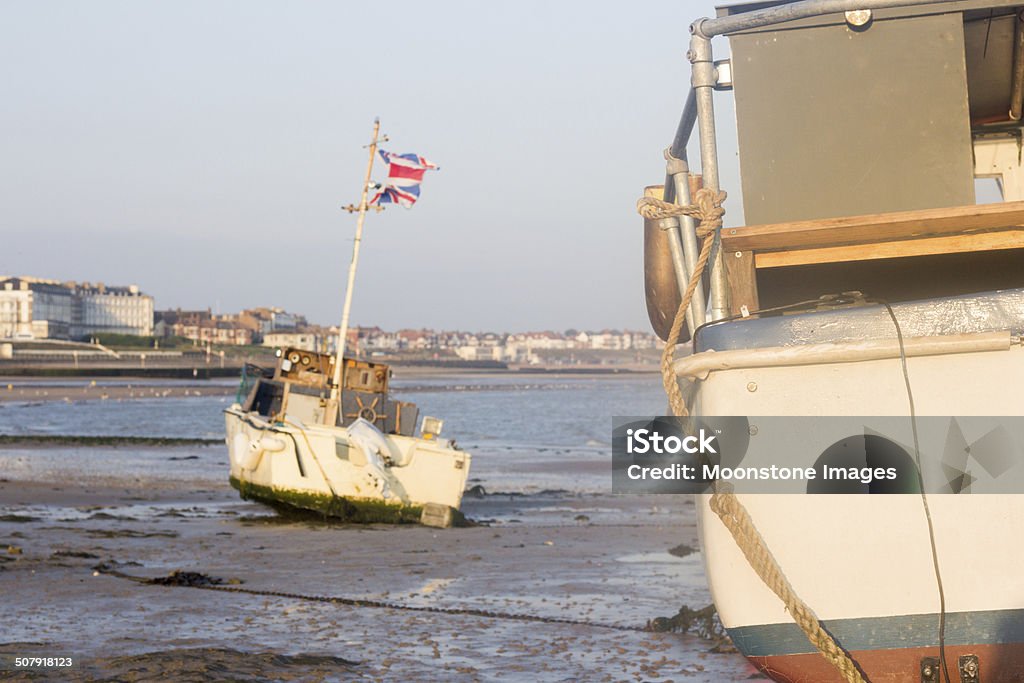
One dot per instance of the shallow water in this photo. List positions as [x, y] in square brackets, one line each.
[526, 433]
[557, 545]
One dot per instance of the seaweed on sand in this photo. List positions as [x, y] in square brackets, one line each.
[17, 519]
[292, 505]
[702, 623]
[183, 578]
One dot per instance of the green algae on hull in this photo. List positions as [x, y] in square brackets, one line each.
[355, 510]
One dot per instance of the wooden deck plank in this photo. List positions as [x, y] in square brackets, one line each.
[927, 246]
[740, 271]
[875, 228]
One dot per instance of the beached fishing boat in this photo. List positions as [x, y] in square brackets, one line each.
[861, 128]
[368, 466]
[324, 434]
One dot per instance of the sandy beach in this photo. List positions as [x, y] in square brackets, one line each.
[602, 562]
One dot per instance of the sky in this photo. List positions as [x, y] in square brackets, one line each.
[202, 150]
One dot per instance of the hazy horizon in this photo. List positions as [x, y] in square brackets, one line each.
[203, 152]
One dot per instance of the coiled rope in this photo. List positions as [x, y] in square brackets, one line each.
[707, 209]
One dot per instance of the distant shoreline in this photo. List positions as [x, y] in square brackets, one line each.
[72, 388]
[203, 373]
[44, 392]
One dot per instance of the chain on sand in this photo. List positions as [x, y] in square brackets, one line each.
[202, 582]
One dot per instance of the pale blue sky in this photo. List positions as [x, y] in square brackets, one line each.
[203, 149]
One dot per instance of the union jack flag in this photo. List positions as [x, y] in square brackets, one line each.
[405, 173]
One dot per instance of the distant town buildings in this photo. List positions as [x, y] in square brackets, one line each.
[251, 326]
[35, 308]
[309, 340]
[473, 346]
[490, 346]
[202, 327]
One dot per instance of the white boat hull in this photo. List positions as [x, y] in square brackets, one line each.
[863, 563]
[326, 469]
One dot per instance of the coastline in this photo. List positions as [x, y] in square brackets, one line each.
[37, 389]
[75, 388]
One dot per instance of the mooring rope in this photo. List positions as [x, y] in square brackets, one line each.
[707, 209]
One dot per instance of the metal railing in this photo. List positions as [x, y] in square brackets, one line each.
[699, 111]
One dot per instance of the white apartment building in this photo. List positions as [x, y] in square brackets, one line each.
[475, 353]
[34, 308]
[308, 341]
[116, 310]
[15, 312]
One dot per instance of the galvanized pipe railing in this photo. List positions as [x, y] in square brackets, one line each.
[681, 231]
[691, 250]
[682, 238]
[685, 128]
[703, 81]
[699, 110]
[708, 28]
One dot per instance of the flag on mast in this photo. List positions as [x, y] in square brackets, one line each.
[405, 173]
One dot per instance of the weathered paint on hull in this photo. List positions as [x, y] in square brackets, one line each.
[890, 649]
[998, 663]
[353, 510]
[864, 563]
[311, 467]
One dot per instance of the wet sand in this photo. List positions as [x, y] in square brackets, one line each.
[120, 498]
[599, 560]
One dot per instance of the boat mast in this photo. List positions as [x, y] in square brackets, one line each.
[339, 356]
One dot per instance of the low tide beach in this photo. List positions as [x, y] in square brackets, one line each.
[559, 580]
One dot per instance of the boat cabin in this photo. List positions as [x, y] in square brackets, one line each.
[300, 388]
[862, 136]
